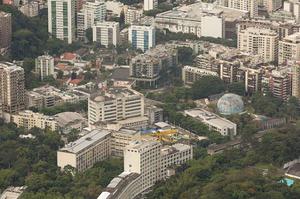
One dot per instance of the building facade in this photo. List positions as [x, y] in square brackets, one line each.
[247, 5]
[61, 19]
[132, 14]
[83, 153]
[289, 49]
[191, 74]
[90, 14]
[106, 33]
[29, 120]
[141, 37]
[257, 41]
[150, 4]
[12, 87]
[44, 66]
[115, 104]
[5, 31]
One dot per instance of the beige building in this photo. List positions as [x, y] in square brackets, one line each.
[29, 120]
[83, 153]
[258, 41]
[12, 87]
[5, 31]
[289, 48]
[295, 79]
[191, 74]
[106, 33]
[271, 5]
[115, 104]
[132, 14]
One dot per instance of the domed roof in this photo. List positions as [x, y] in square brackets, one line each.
[230, 104]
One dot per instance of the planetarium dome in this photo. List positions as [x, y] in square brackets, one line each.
[230, 104]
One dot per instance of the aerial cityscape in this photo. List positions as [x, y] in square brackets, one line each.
[149, 99]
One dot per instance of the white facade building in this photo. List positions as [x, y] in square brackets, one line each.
[150, 4]
[44, 66]
[246, 5]
[61, 19]
[258, 41]
[141, 37]
[90, 14]
[132, 14]
[289, 48]
[213, 121]
[115, 104]
[86, 151]
[106, 33]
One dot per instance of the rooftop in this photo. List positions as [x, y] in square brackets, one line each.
[85, 141]
[65, 118]
[113, 93]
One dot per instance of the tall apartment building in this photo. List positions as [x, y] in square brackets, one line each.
[295, 79]
[29, 120]
[289, 49]
[83, 153]
[228, 71]
[106, 33]
[115, 104]
[271, 5]
[141, 37]
[5, 31]
[257, 41]
[61, 19]
[146, 67]
[253, 80]
[91, 13]
[280, 85]
[44, 66]
[191, 74]
[292, 6]
[150, 4]
[12, 87]
[246, 5]
[30, 9]
[132, 14]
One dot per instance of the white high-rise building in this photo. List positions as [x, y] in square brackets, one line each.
[44, 66]
[289, 48]
[61, 19]
[150, 4]
[115, 104]
[271, 5]
[90, 14]
[141, 37]
[259, 41]
[246, 5]
[106, 33]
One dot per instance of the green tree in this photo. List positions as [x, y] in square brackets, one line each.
[89, 34]
[206, 86]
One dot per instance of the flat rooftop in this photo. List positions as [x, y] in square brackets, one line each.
[85, 141]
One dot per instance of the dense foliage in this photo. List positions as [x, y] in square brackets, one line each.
[238, 174]
[30, 36]
[32, 162]
[81, 106]
[206, 86]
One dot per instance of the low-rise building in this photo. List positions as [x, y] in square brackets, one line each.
[66, 121]
[86, 151]
[213, 121]
[191, 74]
[13, 192]
[29, 119]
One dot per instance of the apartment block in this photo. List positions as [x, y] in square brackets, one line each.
[252, 79]
[280, 84]
[5, 31]
[191, 74]
[289, 49]
[44, 66]
[29, 120]
[30, 9]
[83, 153]
[146, 67]
[106, 33]
[91, 13]
[258, 41]
[246, 5]
[150, 4]
[132, 14]
[141, 37]
[12, 87]
[115, 104]
[295, 78]
[61, 19]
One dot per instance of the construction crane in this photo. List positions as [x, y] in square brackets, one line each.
[165, 135]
